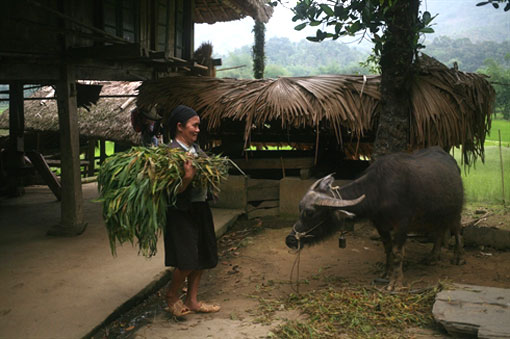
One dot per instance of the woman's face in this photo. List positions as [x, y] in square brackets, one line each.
[189, 132]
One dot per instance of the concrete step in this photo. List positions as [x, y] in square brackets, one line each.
[224, 218]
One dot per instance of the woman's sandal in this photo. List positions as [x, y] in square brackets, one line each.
[178, 309]
[207, 308]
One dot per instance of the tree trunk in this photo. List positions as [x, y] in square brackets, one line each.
[258, 50]
[396, 78]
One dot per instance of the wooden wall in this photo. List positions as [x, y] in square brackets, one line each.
[35, 27]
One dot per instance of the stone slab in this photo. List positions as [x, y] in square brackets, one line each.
[474, 310]
[487, 236]
[232, 193]
[263, 189]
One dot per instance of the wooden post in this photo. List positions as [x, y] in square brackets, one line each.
[72, 201]
[102, 151]
[91, 157]
[16, 140]
[502, 169]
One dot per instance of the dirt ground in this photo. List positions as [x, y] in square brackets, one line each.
[255, 264]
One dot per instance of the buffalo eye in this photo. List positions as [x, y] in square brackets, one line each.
[307, 213]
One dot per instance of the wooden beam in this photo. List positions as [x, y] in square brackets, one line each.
[277, 163]
[123, 51]
[16, 157]
[45, 71]
[28, 72]
[71, 210]
[44, 170]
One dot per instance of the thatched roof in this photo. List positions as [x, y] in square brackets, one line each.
[109, 119]
[211, 11]
[450, 108]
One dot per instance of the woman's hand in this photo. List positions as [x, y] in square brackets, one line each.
[189, 170]
[189, 173]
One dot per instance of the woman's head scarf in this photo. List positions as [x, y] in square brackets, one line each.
[180, 114]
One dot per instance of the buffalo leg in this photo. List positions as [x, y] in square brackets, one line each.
[397, 276]
[388, 250]
[459, 248]
[435, 255]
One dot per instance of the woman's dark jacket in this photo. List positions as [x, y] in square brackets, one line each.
[183, 200]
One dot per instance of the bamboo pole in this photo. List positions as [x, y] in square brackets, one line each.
[502, 170]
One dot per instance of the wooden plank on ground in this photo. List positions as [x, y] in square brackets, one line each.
[474, 310]
[263, 212]
[263, 204]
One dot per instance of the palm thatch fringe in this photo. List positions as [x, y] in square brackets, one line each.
[108, 119]
[450, 108]
[211, 11]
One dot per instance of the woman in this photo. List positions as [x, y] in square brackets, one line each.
[190, 240]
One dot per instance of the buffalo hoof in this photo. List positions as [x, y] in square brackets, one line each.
[395, 287]
[458, 261]
[430, 261]
[380, 281]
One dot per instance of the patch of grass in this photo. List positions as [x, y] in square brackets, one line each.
[358, 312]
[482, 183]
[504, 127]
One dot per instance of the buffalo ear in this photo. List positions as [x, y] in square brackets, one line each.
[346, 213]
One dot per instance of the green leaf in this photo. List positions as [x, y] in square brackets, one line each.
[338, 27]
[427, 30]
[426, 17]
[328, 10]
[315, 23]
[312, 38]
[300, 26]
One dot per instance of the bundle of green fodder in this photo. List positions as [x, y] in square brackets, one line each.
[137, 186]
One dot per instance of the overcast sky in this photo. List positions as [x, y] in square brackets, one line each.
[228, 36]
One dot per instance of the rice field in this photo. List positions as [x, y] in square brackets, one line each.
[483, 181]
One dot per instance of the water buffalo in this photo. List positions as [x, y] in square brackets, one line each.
[399, 193]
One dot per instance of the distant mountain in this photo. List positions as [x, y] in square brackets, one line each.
[463, 19]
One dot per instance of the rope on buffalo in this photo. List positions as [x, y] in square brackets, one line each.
[299, 236]
[335, 191]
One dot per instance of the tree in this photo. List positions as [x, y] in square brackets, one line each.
[495, 4]
[500, 78]
[394, 26]
[258, 50]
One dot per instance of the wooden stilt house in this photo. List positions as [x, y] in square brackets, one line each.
[57, 42]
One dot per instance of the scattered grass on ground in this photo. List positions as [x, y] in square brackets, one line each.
[354, 311]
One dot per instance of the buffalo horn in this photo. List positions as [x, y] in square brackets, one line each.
[332, 202]
[316, 184]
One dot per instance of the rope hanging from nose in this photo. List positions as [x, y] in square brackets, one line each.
[335, 191]
[299, 236]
